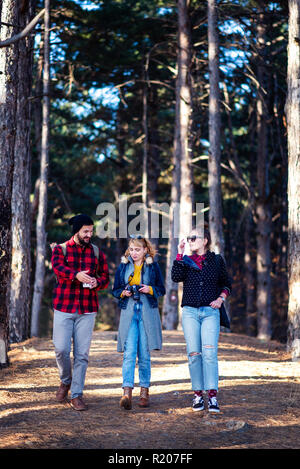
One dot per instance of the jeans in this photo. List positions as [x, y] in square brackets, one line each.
[201, 327]
[136, 345]
[79, 327]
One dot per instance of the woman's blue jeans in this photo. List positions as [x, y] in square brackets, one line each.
[201, 327]
[136, 345]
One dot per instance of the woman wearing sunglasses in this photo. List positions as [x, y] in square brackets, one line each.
[206, 285]
[138, 284]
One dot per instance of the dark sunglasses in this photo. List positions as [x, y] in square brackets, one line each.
[136, 237]
[192, 239]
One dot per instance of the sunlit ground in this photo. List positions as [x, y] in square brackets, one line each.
[259, 396]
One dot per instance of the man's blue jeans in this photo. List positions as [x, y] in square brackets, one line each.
[79, 327]
[136, 345]
[201, 327]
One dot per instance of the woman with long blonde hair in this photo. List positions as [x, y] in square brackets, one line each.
[138, 284]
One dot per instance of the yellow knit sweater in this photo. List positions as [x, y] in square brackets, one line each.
[136, 278]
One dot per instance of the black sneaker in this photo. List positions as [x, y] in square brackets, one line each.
[213, 405]
[198, 403]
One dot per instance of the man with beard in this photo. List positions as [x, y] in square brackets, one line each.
[81, 270]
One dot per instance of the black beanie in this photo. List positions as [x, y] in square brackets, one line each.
[78, 221]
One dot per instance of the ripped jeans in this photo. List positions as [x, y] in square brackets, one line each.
[201, 327]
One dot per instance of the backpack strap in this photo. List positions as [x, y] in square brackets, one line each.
[64, 248]
[96, 250]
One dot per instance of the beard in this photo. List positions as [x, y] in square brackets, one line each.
[83, 241]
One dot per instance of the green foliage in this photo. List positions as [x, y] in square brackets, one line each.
[105, 55]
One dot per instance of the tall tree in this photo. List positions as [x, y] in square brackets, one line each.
[170, 304]
[182, 186]
[41, 234]
[293, 121]
[183, 96]
[21, 223]
[214, 160]
[8, 105]
[263, 210]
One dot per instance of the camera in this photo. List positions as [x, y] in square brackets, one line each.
[134, 289]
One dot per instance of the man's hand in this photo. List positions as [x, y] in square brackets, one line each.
[84, 277]
[93, 283]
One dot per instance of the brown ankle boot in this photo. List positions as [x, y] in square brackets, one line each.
[126, 399]
[62, 392]
[144, 397]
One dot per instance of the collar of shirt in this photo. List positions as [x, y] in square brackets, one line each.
[72, 242]
[198, 259]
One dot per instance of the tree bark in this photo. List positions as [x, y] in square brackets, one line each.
[250, 280]
[214, 167]
[263, 211]
[154, 156]
[293, 122]
[8, 104]
[145, 150]
[26, 31]
[183, 118]
[181, 190]
[170, 302]
[21, 222]
[41, 235]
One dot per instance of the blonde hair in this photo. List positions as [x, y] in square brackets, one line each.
[143, 242]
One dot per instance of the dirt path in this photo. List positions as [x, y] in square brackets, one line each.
[259, 398]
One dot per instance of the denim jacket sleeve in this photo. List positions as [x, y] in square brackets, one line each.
[158, 283]
[119, 284]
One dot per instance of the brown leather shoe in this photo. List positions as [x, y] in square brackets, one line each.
[62, 392]
[144, 397]
[126, 400]
[78, 404]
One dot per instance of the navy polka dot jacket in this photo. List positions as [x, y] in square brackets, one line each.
[201, 286]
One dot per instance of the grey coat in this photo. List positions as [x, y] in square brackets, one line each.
[150, 312]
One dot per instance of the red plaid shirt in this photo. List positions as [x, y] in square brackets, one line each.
[69, 295]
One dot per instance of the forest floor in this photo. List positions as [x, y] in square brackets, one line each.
[259, 397]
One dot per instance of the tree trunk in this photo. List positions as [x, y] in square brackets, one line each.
[183, 120]
[145, 151]
[249, 261]
[8, 103]
[214, 168]
[293, 121]
[41, 235]
[263, 212]
[21, 222]
[154, 156]
[170, 302]
[181, 190]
